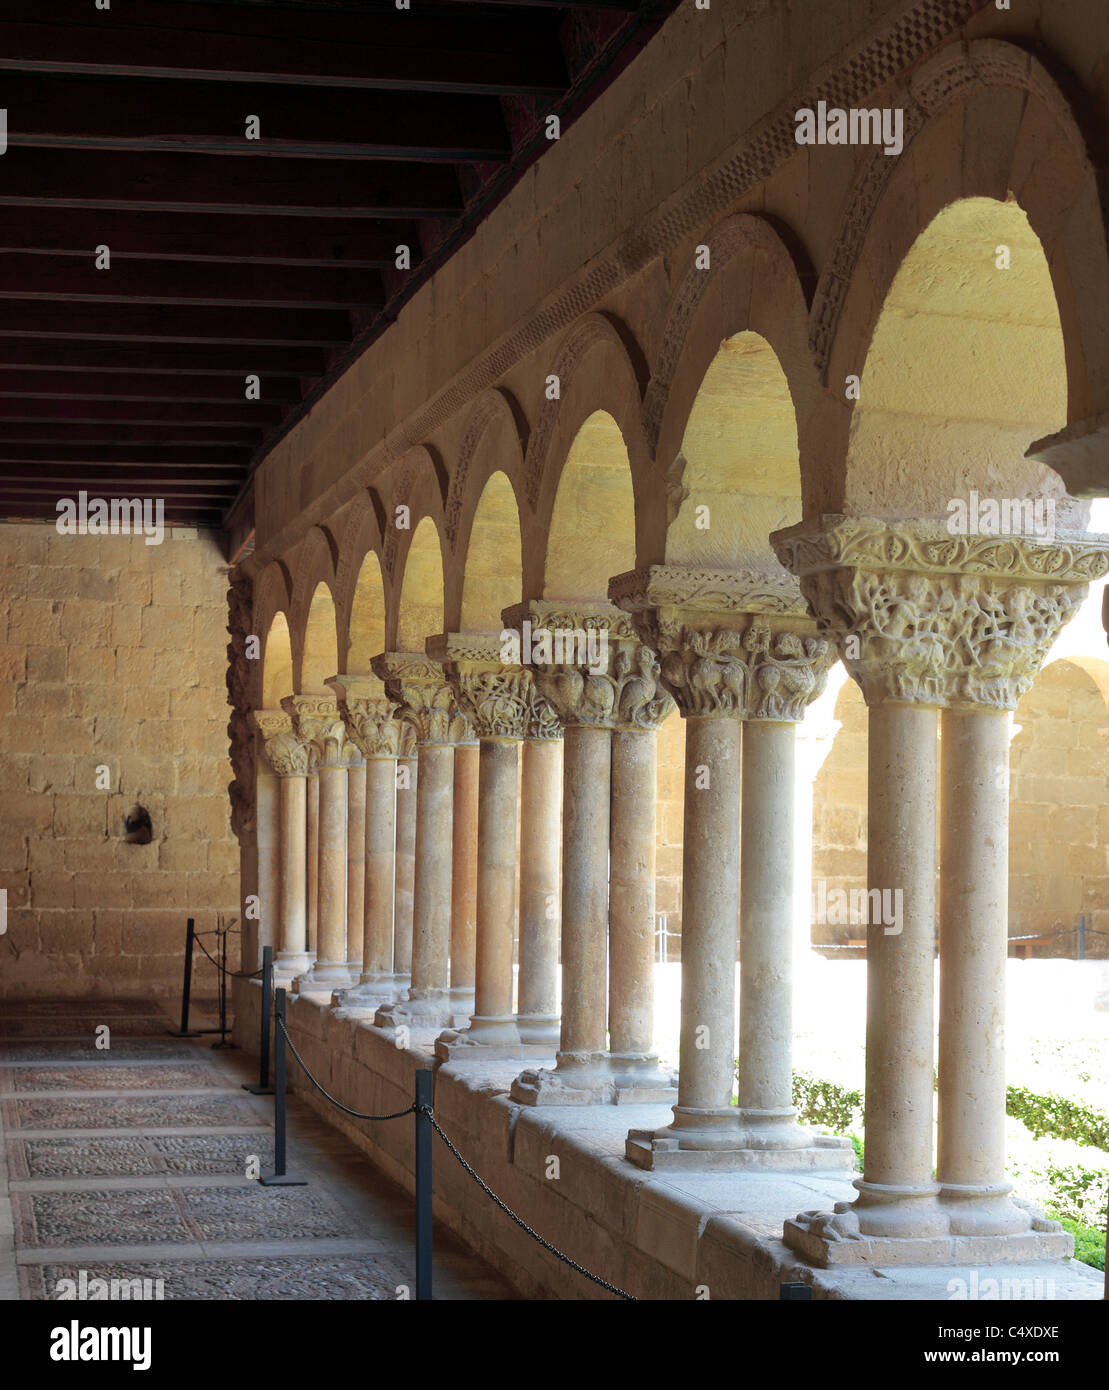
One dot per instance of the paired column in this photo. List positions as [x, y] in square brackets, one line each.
[742, 660]
[370, 721]
[427, 702]
[290, 756]
[927, 622]
[317, 719]
[597, 677]
[503, 705]
[404, 884]
[464, 880]
[537, 1018]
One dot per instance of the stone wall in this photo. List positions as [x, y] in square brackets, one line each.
[113, 655]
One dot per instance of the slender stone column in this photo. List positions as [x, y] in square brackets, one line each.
[540, 851]
[356, 866]
[464, 881]
[501, 703]
[736, 647]
[427, 702]
[927, 621]
[974, 926]
[312, 850]
[290, 756]
[267, 814]
[631, 959]
[317, 718]
[370, 721]
[405, 882]
[597, 676]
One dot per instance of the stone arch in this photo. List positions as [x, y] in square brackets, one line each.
[416, 484]
[419, 608]
[277, 662]
[591, 521]
[494, 438]
[320, 655]
[312, 564]
[272, 594]
[997, 102]
[364, 530]
[493, 576]
[367, 616]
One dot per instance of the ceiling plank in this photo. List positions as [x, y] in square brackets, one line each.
[183, 359]
[178, 323]
[165, 386]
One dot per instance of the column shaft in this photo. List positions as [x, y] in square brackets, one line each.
[331, 954]
[632, 898]
[381, 801]
[897, 1191]
[269, 862]
[312, 868]
[540, 846]
[766, 937]
[292, 958]
[464, 878]
[431, 905]
[586, 784]
[405, 881]
[496, 892]
[356, 866]
[974, 902]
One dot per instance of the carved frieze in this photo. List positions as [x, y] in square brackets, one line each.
[501, 700]
[426, 701]
[921, 616]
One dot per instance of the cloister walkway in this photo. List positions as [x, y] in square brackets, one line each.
[131, 1164]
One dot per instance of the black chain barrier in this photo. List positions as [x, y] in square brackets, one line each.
[427, 1113]
[231, 974]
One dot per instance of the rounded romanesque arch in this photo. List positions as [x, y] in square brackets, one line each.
[493, 576]
[272, 596]
[319, 655]
[983, 121]
[493, 439]
[419, 610]
[277, 663]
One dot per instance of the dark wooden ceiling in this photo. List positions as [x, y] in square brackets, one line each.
[229, 256]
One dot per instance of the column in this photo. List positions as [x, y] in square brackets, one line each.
[290, 756]
[974, 926]
[369, 717]
[405, 881]
[427, 702]
[267, 927]
[464, 881]
[538, 1018]
[502, 703]
[631, 958]
[928, 622]
[317, 719]
[312, 849]
[356, 865]
[741, 657]
[597, 676]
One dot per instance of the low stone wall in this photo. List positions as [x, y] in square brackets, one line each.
[654, 1237]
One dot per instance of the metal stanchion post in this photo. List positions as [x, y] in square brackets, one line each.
[186, 987]
[795, 1293]
[222, 933]
[279, 1177]
[263, 1088]
[425, 1078]
[1080, 938]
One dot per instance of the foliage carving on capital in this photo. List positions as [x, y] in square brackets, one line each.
[288, 753]
[318, 719]
[373, 725]
[506, 704]
[924, 617]
[426, 700]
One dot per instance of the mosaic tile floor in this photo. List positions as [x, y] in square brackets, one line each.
[132, 1164]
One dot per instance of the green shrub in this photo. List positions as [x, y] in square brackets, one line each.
[1089, 1242]
[1057, 1117]
[824, 1103]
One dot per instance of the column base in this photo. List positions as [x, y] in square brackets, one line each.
[545, 1029]
[365, 997]
[415, 1013]
[640, 1080]
[486, 1039]
[287, 965]
[662, 1152]
[829, 1251]
[985, 1209]
[323, 977]
[578, 1078]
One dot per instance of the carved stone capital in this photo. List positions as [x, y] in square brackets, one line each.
[370, 716]
[317, 718]
[287, 752]
[426, 701]
[921, 616]
[733, 644]
[590, 664]
[501, 700]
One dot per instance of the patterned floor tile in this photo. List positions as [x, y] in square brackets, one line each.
[265, 1213]
[130, 1112]
[215, 1153]
[206, 1154]
[121, 1050]
[149, 1216]
[268, 1278]
[79, 1027]
[111, 1078]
